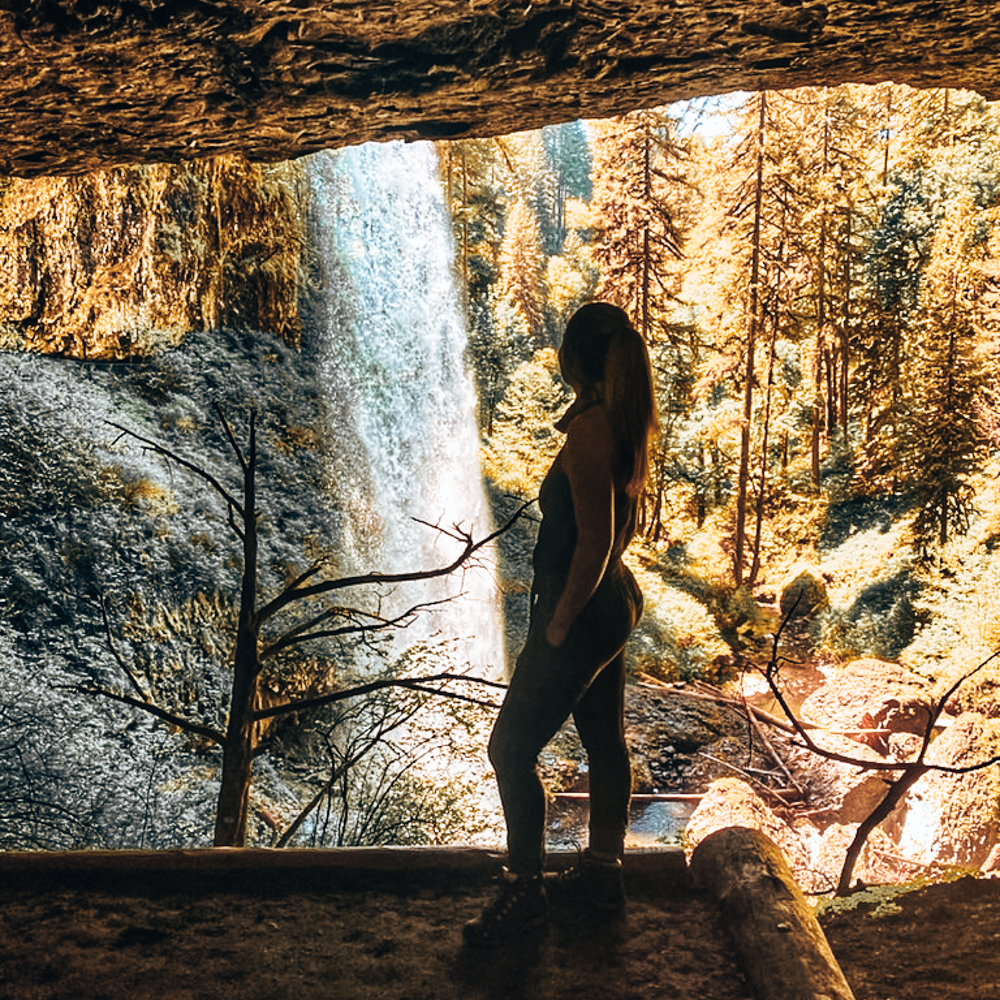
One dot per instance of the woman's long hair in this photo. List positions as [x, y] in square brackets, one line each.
[601, 347]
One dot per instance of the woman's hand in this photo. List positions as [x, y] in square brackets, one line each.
[555, 634]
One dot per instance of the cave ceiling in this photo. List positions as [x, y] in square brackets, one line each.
[89, 85]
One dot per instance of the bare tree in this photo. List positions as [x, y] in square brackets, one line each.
[255, 645]
[900, 776]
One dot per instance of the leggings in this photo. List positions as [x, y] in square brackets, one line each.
[584, 677]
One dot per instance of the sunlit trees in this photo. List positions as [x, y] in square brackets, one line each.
[944, 446]
[522, 230]
[939, 149]
[785, 273]
[642, 203]
[753, 226]
[522, 265]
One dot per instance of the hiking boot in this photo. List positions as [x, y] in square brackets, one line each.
[601, 880]
[597, 880]
[519, 905]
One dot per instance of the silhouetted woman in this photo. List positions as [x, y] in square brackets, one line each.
[584, 604]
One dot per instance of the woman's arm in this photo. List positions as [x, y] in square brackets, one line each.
[587, 460]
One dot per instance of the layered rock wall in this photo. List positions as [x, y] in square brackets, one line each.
[118, 263]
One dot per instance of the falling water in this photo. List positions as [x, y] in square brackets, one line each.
[404, 408]
[397, 379]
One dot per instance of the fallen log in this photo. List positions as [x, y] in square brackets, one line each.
[779, 942]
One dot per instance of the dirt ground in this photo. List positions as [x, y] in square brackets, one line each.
[356, 933]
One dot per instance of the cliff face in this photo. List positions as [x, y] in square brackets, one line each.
[122, 262]
[88, 85]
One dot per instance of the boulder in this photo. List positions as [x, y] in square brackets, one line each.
[880, 861]
[838, 792]
[802, 592]
[954, 819]
[871, 694]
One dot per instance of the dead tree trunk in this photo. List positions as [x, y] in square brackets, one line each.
[238, 747]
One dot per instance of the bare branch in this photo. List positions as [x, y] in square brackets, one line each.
[180, 722]
[895, 794]
[174, 457]
[967, 769]
[454, 695]
[232, 439]
[301, 579]
[114, 652]
[908, 773]
[236, 529]
[413, 683]
[301, 632]
[335, 775]
[946, 697]
[471, 547]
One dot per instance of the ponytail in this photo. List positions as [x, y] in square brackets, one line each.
[605, 348]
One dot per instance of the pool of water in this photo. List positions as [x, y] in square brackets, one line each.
[651, 824]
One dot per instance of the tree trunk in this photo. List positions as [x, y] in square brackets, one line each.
[845, 338]
[762, 488]
[780, 944]
[237, 751]
[818, 401]
[744, 470]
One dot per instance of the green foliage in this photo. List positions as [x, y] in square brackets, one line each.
[873, 305]
[87, 515]
[943, 444]
[880, 621]
[525, 441]
[523, 250]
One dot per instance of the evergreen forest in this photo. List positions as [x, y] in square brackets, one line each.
[815, 274]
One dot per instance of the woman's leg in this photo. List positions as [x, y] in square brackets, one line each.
[599, 718]
[550, 683]
[538, 702]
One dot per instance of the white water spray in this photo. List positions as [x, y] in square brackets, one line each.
[398, 380]
[404, 405]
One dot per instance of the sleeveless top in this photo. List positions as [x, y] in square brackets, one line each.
[557, 532]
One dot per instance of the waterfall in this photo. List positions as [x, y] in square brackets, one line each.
[403, 409]
[403, 399]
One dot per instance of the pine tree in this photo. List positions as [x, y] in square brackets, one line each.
[643, 208]
[944, 151]
[522, 266]
[944, 445]
[643, 203]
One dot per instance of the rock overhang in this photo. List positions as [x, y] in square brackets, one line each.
[89, 85]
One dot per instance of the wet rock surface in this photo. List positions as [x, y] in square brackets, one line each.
[123, 263]
[757, 775]
[955, 818]
[868, 699]
[682, 742]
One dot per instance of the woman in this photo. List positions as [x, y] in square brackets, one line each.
[584, 605]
